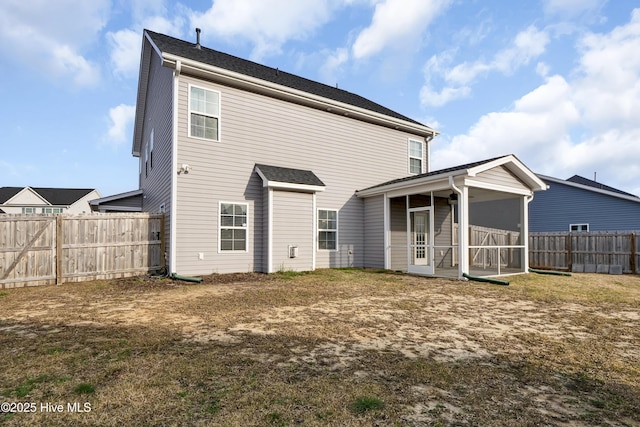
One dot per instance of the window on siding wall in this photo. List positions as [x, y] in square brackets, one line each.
[52, 210]
[151, 149]
[579, 227]
[233, 227]
[327, 229]
[416, 156]
[28, 210]
[204, 113]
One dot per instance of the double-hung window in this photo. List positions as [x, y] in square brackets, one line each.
[327, 229]
[416, 156]
[233, 227]
[204, 113]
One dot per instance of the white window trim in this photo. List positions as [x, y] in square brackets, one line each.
[409, 156]
[219, 116]
[220, 227]
[318, 230]
[580, 225]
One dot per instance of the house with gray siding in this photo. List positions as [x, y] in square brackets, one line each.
[581, 204]
[257, 169]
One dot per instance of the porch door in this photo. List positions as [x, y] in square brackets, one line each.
[420, 241]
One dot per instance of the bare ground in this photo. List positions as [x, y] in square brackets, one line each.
[253, 349]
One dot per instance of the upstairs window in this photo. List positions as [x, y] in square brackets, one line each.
[151, 149]
[416, 156]
[327, 229]
[28, 210]
[204, 113]
[233, 227]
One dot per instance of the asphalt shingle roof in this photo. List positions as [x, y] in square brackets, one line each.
[232, 63]
[584, 181]
[288, 175]
[55, 196]
[438, 172]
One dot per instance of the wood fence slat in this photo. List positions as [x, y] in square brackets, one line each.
[585, 248]
[77, 247]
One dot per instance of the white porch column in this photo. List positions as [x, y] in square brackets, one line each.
[524, 230]
[387, 231]
[463, 230]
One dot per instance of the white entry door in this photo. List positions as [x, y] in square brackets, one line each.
[420, 241]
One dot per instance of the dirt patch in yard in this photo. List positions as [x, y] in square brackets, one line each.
[254, 349]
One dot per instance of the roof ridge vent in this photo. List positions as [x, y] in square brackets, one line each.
[198, 46]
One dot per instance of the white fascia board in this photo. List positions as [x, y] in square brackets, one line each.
[276, 185]
[141, 99]
[588, 188]
[472, 183]
[298, 96]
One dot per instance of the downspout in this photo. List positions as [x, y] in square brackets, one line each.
[461, 255]
[174, 173]
[524, 229]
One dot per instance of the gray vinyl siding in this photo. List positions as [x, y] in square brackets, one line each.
[156, 185]
[501, 176]
[398, 233]
[374, 232]
[562, 205]
[344, 153]
[292, 226]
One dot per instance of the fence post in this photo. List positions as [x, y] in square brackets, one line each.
[633, 253]
[569, 254]
[59, 220]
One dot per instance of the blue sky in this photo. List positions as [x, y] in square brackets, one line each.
[555, 82]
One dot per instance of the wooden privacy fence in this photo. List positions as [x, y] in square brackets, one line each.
[596, 251]
[47, 249]
[484, 241]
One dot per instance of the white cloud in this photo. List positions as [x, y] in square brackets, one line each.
[571, 7]
[565, 127]
[396, 22]
[50, 36]
[121, 118]
[527, 45]
[333, 64]
[125, 51]
[267, 24]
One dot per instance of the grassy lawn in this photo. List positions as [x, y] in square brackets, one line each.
[332, 347]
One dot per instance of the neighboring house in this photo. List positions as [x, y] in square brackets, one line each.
[580, 204]
[257, 169]
[38, 200]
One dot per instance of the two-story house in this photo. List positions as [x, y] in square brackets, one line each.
[43, 200]
[257, 169]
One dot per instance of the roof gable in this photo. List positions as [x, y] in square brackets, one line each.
[510, 162]
[45, 195]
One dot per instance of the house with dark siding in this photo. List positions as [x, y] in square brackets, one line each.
[257, 169]
[581, 204]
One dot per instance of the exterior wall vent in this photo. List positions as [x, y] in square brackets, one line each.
[293, 251]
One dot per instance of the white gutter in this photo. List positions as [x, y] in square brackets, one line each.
[297, 96]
